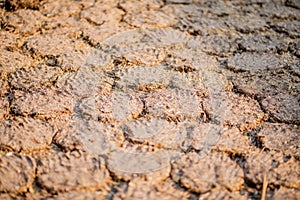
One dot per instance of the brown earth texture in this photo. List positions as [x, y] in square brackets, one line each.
[156, 99]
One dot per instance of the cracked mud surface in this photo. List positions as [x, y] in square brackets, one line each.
[159, 99]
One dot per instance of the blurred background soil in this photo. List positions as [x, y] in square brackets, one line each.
[77, 75]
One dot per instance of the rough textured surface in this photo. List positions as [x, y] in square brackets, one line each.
[222, 194]
[140, 189]
[17, 173]
[214, 44]
[76, 171]
[253, 62]
[269, 83]
[48, 102]
[277, 170]
[284, 107]
[135, 161]
[15, 5]
[25, 134]
[277, 136]
[243, 112]
[173, 104]
[33, 77]
[80, 195]
[262, 43]
[286, 194]
[118, 106]
[168, 99]
[4, 106]
[216, 171]
[234, 141]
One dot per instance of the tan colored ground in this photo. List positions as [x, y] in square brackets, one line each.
[158, 99]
